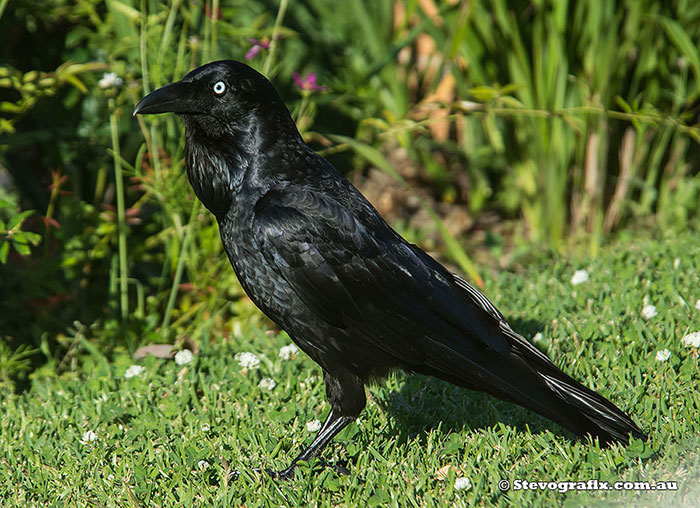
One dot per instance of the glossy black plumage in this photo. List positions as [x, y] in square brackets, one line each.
[317, 258]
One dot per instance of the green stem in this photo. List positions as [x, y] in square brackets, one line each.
[143, 48]
[206, 38]
[167, 32]
[301, 112]
[3, 5]
[214, 20]
[273, 41]
[653, 119]
[179, 268]
[100, 183]
[121, 214]
[50, 209]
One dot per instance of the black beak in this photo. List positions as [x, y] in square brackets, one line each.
[179, 97]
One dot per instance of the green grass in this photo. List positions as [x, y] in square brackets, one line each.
[152, 429]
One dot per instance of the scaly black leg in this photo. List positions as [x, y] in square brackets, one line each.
[346, 394]
[334, 423]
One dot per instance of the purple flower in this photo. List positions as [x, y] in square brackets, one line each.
[257, 47]
[308, 83]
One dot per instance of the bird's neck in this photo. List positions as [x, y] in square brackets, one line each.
[215, 171]
[228, 171]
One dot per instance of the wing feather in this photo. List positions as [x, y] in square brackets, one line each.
[387, 292]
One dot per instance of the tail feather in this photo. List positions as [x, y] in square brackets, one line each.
[534, 382]
[610, 422]
[526, 376]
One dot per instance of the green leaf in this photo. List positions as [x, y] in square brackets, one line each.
[509, 89]
[16, 220]
[624, 105]
[10, 107]
[683, 43]
[20, 247]
[4, 250]
[371, 154]
[484, 93]
[511, 102]
[32, 238]
[6, 126]
[73, 80]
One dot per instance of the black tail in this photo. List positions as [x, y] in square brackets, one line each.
[509, 367]
[568, 402]
[586, 412]
[528, 378]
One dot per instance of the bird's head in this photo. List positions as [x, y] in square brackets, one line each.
[217, 98]
[234, 120]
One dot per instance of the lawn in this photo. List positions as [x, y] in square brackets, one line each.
[170, 433]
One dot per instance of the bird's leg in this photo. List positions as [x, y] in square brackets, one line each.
[346, 394]
[334, 423]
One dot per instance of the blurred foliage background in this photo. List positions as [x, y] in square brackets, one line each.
[502, 127]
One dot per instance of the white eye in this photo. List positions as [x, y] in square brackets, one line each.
[219, 87]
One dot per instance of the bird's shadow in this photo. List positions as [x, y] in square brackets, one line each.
[425, 403]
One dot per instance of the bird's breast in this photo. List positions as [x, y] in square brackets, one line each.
[268, 290]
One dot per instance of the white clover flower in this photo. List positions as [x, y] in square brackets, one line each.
[662, 356]
[313, 426]
[206, 427]
[463, 483]
[288, 352]
[676, 263]
[538, 337]
[267, 383]
[89, 436]
[110, 80]
[692, 339]
[579, 277]
[247, 360]
[697, 305]
[133, 371]
[202, 465]
[183, 357]
[649, 312]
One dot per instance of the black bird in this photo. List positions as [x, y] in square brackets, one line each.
[316, 257]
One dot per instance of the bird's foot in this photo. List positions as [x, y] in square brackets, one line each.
[285, 474]
[339, 467]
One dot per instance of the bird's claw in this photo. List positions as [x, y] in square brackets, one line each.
[340, 468]
[287, 474]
